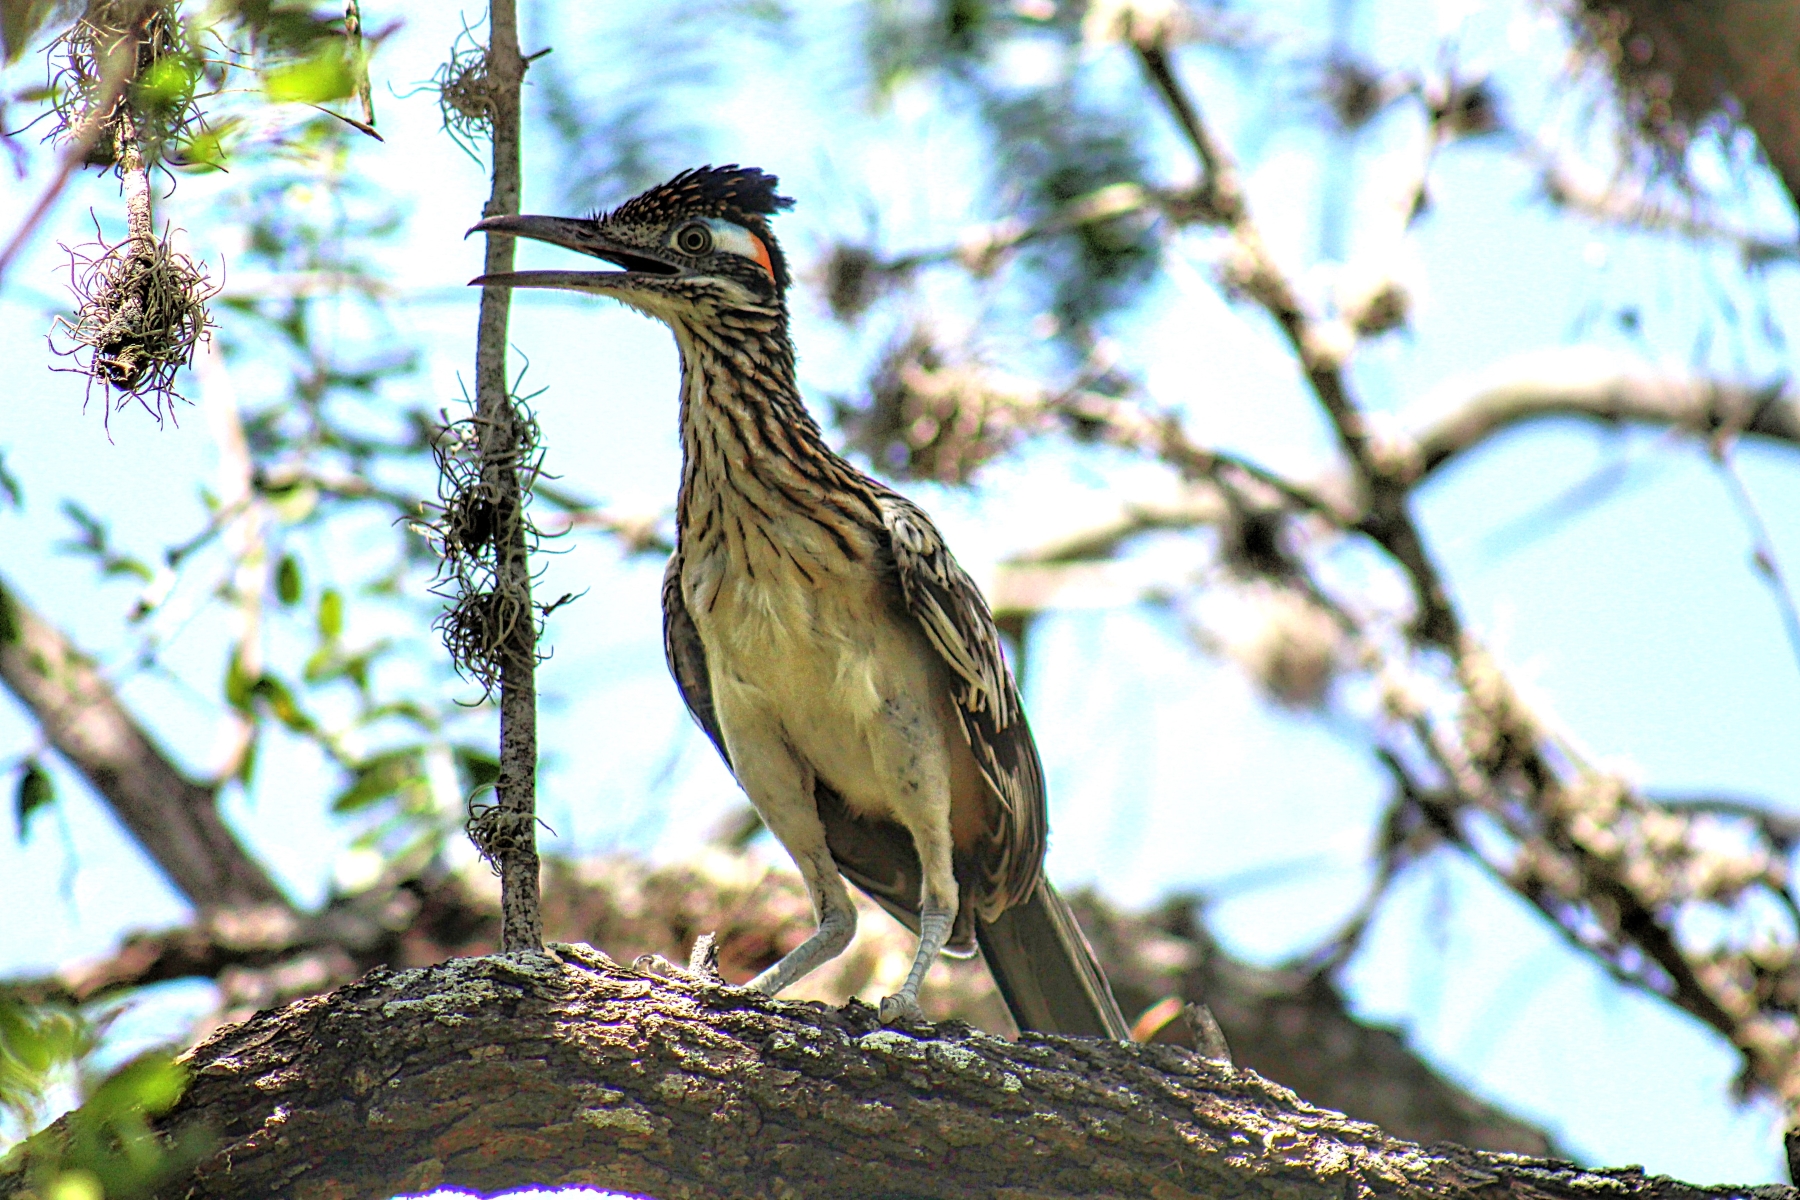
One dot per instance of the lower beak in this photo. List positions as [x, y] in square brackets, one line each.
[579, 236]
[568, 281]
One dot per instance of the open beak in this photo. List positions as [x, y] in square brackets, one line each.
[578, 235]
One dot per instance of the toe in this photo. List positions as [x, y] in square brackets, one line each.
[901, 1010]
[655, 964]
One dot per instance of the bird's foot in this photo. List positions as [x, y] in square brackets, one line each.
[901, 1009]
[656, 964]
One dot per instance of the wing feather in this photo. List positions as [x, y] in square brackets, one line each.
[686, 654]
[955, 619]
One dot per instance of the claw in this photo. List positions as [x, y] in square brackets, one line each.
[901, 1010]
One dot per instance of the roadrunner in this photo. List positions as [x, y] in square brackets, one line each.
[820, 632]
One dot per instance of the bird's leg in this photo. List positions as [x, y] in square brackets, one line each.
[837, 924]
[782, 790]
[937, 914]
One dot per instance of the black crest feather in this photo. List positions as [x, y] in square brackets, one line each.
[741, 194]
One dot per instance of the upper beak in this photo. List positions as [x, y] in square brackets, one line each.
[581, 236]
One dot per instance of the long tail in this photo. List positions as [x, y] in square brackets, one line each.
[1046, 971]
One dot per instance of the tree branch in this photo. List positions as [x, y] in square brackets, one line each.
[507, 832]
[173, 818]
[1599, 386]
[1580, 383]
[1320, 348]
[491, 1073]
[1287, 1024]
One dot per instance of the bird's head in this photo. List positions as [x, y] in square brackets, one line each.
[692, 247]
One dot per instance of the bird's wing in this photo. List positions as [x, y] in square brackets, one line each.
[955, 619]
[687, 657]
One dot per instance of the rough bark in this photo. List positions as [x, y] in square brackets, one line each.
[497, 1072]
[175, 819]
[1293, 1026]
[1289, 1025]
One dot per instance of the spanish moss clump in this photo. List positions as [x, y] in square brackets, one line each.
[123, 78]
[498, 832]
[465, 93]
[478, 630]
[490, 622]
[140, 314]
[853, 279]
[928, 417]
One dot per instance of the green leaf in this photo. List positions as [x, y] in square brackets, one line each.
[282, 704]
[36, 791]
[149, 1084]
[77, 1185]
[326, 75]
[9, 619]
[378, 778]
[209, 149]
[479, 768]
[331, 614]
[96, 542]
[287, 580]
[240, 685]
[169, 80]
[20, 21]
[9, 483]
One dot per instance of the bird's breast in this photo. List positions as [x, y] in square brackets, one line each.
[826, 662]
[792, 627]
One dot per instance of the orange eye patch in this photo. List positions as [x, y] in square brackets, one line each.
[762, 255]
[734, 238]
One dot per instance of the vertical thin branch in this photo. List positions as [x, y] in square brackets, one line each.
[1762, 545]
[136, 176]
[359, 60]
[500, 438]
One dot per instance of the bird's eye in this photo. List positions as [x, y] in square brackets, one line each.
[693, 239]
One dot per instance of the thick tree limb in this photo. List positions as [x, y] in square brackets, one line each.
[1291, 1025]
[173, 818]
[496, 1072]
[1287, 1025]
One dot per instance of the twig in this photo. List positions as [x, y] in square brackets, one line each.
[1252, 271]
[1635, 210]
[1762, 545]
[121, 66]
[359, 58]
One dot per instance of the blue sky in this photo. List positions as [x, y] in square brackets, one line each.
[1636, 618]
